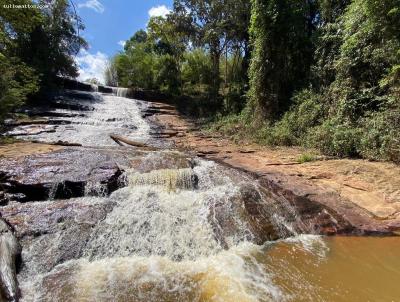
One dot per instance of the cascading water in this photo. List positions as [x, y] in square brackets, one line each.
[95, 88]
[159, 244]
[120, 91]
[107, 114]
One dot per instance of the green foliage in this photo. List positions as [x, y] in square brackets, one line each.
[17, 81]
[197, 72]
[280, 32]
[135, 67]
[51, 46]
[380, 136]
[352, 105]
[335, 138]
[36, 45]
[306, 158]
[5, 140]
[293, 127]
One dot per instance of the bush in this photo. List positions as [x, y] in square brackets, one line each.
[306, 158]
[335, 138]
[380, 136]
[295, 124]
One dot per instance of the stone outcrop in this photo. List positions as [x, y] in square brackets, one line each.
[54, 232]
[9, 252]
[61, 174]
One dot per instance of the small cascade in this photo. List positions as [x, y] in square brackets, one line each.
[95, 88]
[93, 119]
[171, 179]
[120, 91]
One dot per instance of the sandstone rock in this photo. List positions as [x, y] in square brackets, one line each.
[9, 252]
[54, 232]
[160, 161]
[64, 173]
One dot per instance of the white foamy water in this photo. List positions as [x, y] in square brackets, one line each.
[120, 91]
[159, 244]
[232, 275]
[111, 115]
[154, 220]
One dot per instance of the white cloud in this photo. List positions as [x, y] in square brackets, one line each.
[159, 11]
[93, 4]
[122, 43]
[91, 65]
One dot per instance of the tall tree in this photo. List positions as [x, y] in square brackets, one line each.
[281, 37]
[212, 24]
[50, 48]
[17, 79]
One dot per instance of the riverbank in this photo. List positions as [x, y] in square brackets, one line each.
[365, 194]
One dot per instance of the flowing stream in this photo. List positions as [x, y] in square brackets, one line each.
[180, 234]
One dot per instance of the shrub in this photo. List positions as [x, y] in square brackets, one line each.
[306, 157]
[335, 138]
[380, 136]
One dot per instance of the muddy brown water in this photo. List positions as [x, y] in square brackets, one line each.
[356, 269]
[158, 244]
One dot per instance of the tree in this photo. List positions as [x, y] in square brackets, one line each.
[281, 37]
[36, 45]
[110, 74]
[50, 48]
[17, 79]
[212, 24]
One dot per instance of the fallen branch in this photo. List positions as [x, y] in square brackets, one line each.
[120, 140]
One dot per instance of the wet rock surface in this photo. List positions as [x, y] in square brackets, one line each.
[53, 232]
[331, 196]
[60, 174]
[9, 252]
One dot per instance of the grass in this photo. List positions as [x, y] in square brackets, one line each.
[5, 140]
[306, 158]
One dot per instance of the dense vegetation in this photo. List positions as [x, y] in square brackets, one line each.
[323, 73]
[37, 43]
[336, 87]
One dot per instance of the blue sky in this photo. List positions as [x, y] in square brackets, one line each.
[108, 24]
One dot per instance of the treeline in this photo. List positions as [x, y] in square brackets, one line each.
[315, 73]
[38, 42]
[200, 50]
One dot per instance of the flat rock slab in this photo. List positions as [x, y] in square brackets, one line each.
[37, 172]
[60, 174]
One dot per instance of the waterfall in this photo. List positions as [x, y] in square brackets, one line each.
[180, 228]
[106, 114]
[171, 179]
[95, 88]
[120, 91]
[159, 243]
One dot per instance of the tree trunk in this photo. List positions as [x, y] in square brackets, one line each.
[216, 81]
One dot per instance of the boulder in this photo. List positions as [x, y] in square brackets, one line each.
[247, 215]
